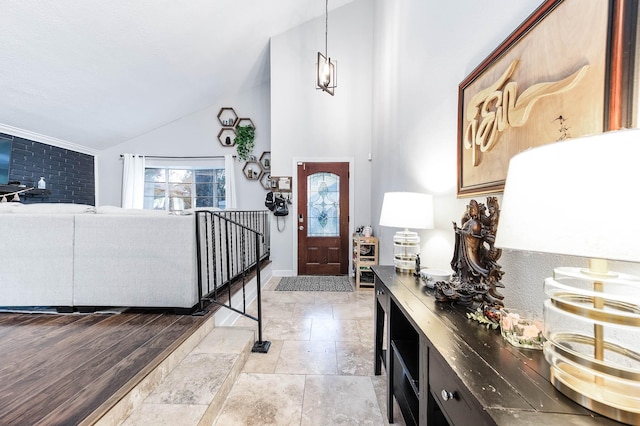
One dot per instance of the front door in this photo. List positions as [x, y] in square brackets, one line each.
[323, 218]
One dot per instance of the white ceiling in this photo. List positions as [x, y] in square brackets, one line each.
[96, 73]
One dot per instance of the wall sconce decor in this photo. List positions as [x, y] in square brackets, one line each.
[326, 69]
[406, 210]
[574, 198]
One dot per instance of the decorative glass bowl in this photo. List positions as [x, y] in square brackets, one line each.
[521, 329]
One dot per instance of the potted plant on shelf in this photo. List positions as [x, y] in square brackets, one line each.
[245, 136]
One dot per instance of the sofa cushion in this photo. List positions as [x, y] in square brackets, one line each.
[9, 207]
[55, 208]
[129, 260]
[37, 260]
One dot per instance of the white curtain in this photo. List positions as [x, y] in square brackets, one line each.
[230, 181]
[133, 181]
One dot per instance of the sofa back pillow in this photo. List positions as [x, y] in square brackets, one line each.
[131, 212]
[54, 208]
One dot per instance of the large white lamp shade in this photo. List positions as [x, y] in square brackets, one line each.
[576, 197]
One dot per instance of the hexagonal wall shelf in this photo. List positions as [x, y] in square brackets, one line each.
[252, 170]
[227, 117]
[265, 180]
[265, 160]
[227, 136]
[245, 122]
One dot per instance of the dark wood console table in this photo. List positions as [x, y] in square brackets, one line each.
[446, 369]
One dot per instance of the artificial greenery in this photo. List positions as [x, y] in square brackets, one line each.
[244, 140]
[479, 316]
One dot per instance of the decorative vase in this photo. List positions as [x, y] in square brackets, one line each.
[521, 329]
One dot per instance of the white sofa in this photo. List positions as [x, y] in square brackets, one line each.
[68, 255]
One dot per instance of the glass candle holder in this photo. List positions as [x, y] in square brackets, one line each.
[521, 329]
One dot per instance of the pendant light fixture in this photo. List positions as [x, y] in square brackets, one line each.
[326, 69]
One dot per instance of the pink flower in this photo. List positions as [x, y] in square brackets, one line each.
[538, 324]
[530, 331]
[509, 320]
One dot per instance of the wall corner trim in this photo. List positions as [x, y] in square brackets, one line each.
[37, 137]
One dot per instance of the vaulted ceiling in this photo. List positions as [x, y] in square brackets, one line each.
[96, 73]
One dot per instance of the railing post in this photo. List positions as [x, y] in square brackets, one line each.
[202, 310]
[261, 346]
[228, 243]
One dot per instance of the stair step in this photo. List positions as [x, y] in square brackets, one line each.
[198, 375]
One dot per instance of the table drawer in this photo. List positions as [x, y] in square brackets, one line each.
[454, 400]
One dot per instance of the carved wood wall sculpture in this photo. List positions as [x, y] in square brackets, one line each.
[476, 278]
[565, 72]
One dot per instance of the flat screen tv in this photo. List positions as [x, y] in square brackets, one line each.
[5, 160]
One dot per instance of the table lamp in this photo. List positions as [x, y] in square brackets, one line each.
[406, 210]
[577, 198]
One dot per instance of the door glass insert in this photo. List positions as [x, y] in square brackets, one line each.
[323, 208]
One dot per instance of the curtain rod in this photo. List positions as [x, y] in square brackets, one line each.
[181, 158]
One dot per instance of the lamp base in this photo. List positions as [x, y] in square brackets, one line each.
[611, 398]
[406, 245]
[592, 326]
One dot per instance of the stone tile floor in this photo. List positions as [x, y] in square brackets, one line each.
[318, 371]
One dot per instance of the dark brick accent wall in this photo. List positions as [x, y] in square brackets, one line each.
[70, 175]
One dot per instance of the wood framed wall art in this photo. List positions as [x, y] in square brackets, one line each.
[564, 73]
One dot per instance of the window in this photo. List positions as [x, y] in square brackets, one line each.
[182, 188]
[323, 205]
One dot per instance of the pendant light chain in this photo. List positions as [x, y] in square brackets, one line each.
[326, 28]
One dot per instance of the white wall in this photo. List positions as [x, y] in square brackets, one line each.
[309, 124]
[404, 113]
[194, 135]
[422, 51]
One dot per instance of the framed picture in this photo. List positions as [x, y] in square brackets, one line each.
[557, 76]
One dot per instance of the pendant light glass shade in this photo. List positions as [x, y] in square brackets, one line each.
[326, 74]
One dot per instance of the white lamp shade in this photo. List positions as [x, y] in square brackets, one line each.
[407, 210]
[578, 197]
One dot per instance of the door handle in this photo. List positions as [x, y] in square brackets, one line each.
[301, 228]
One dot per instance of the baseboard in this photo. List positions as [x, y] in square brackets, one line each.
[283, 273]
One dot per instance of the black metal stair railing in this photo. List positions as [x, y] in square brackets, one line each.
[230, 245]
